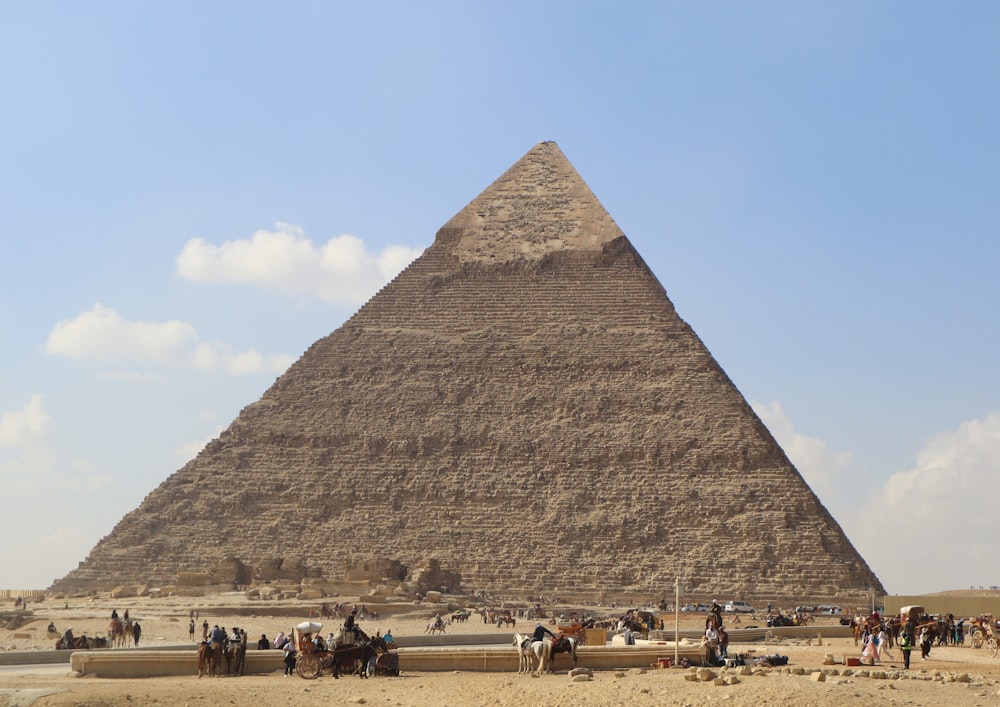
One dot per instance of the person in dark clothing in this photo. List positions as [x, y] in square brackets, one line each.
[263, 644]
[906, 641]
[136, 632]
[350, 625]
[539, 634]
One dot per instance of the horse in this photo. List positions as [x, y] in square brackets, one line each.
[236, 657]
[209, 658]
[508, 620]
[522, 644]
[561, 644]
[436, 625]
[354, 658]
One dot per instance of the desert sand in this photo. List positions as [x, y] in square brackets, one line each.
[939, 681]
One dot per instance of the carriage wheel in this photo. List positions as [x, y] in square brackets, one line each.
[991, 646]
[309, 667]
[977, 639]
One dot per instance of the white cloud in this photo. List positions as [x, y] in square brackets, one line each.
[23, 431]
[932, 527]
[102, 334]
[341, 271]
[821, 467]
[32, 466]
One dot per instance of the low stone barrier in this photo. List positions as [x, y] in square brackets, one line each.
[152, 664]
[493, 659]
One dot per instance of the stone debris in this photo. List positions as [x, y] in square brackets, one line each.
[818, 676]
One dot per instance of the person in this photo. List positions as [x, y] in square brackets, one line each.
[218, 635]
[68, 638]
[125, 615]
[263, 644]
[870, 651]
[717, 612]
[289, 649]
[319, 642]
[204, 631]
[280, 640]
[539, 633]
[350, 624]
[906, 641]
[925, 643]
[114, 614]
[883, 643]
[388, 637]
[710, 642]
[191, 630]
[136, 632]
[723, 643]
[52, 627]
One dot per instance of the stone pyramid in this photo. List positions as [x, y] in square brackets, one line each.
[524, 405]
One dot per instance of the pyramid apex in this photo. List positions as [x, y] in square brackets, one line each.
[538, 206]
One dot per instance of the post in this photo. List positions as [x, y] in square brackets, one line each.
[677, 616]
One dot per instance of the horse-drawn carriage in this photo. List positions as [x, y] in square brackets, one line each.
[349, 653]
[984, 633]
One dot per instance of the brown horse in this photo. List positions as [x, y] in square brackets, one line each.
[354, 659]
[209, 658]
[237, 658]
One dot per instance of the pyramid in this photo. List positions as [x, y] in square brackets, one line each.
[523, 405]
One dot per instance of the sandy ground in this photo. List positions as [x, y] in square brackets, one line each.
[165, 622]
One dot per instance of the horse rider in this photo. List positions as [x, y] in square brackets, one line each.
[350, 624]
[52, 627]
[68, 638]
[114, 614]
[438, 621]
[218, 635]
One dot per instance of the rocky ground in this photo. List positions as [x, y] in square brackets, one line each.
[952, 676]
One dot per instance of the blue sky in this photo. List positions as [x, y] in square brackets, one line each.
[195, 192]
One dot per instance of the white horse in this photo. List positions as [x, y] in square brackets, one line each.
[522, 644]
[437, 625]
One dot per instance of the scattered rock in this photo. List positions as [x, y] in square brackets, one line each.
[818, 676]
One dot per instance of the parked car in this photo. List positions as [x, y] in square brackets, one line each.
[695, 608]
[829, 609]
[738, 607]
[804, 609]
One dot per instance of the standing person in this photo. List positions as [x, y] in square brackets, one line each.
[289, 649]
[906, 641]
[191, 630]
[136, 632]
[925, 643]
[204, 631]
[883, 643]
[263, 644]
[539, 633]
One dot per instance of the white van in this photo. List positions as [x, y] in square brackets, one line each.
[738, 607]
